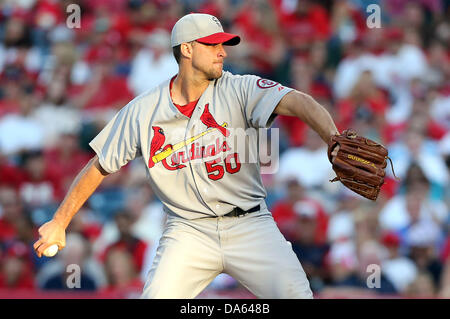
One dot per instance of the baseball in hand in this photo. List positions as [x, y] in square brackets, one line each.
[51, 251]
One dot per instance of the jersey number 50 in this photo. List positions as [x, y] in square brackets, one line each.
[216, 170]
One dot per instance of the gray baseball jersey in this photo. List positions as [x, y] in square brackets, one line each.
[200, 175]
[193, 167]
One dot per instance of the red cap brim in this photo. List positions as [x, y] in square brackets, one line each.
[221, 37]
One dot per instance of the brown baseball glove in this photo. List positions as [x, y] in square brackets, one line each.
[359, 163]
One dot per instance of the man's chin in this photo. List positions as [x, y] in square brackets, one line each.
[215, 76]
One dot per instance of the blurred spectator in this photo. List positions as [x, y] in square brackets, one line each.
[342, 224]
[307, 22]
[224, 10]
[126, 240]
[16, 272]
[415, 147]
[444, 291]
[134, 23]
[14, 83]
[42, 183]
[444, 146]
[48, 14]
[153, 64]
[423, 239]
[110, 197]
[12, 210]
[308, 71]
[55, 274]
[86, 224]
[366, 227]
[10, 174]
[121, 271]
[417, 116]
[412, 206]
[347, 22]
[66, 158]
[307, 74]
[257, 23]
[438, 65]
[285, 214]
[292, 132]
[342, 262]
[28, 133]
[422, 287]
[17, 47]
[106, 90]
[61, 64]
[365, 100]
[399, 63]
[26, 231]
[398, 9]
[149, 220]
[371, 253]
[403, 60]
[399, 269]
[350, 267]
[55, 114]
[312, 158]
[350, 68]
[440, 106]
[310, 252]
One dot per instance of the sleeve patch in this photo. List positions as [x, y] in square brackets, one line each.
[266, 84]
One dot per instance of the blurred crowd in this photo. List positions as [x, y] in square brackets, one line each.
[61, 85]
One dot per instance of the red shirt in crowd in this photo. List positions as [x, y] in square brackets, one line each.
[26, 281]
[10, 175]
[113, 90]
[285, 216]
[7, 230]
[135, 246]
[67, 167]
[42, 190]
[19, 254]
[261, 40]
[314, 25]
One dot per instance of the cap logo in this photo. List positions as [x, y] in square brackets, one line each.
[216, 21]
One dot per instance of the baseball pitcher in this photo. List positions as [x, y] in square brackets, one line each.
[218, 221]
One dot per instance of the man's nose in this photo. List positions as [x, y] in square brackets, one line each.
[222, 53]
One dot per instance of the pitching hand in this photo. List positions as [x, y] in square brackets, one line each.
[50, 233]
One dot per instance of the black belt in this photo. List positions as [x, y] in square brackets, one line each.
[239, 212]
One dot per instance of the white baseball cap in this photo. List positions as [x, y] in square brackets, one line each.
[305, 209]
[203, 28]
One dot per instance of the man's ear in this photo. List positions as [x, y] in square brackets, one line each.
[186, 50]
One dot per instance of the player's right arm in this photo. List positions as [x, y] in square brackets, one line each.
[84, 184]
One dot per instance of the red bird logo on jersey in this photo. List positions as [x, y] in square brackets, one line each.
[157, 143]
[209, 121]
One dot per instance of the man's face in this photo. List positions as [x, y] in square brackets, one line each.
[208, 59]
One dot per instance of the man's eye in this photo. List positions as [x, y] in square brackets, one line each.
[209, 44]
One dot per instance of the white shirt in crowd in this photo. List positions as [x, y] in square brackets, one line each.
[147, 71]
[18, 132]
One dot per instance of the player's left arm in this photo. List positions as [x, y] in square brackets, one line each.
[308, 110]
